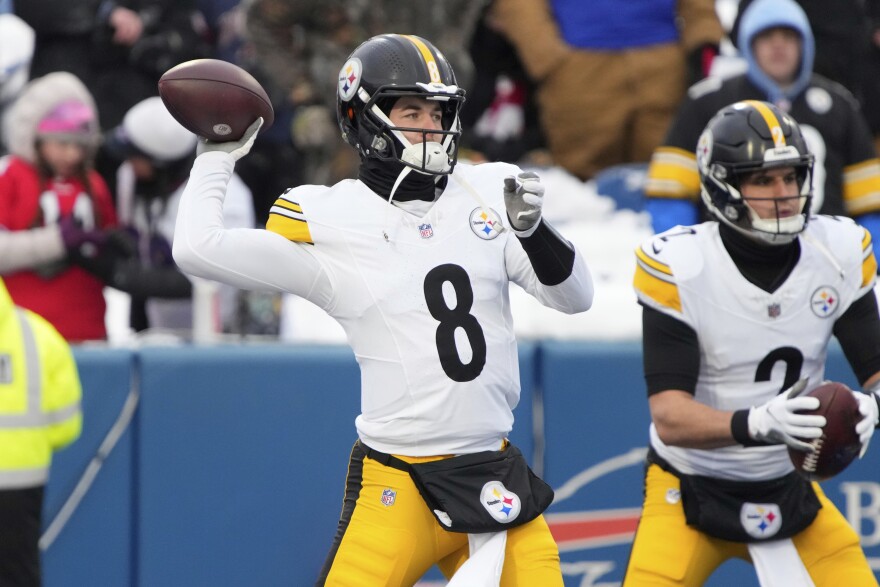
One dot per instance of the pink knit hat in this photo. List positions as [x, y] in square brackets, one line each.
[71, 118]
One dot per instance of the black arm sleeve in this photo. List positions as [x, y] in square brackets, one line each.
[671, 353]
[858, 331]
[552, 256]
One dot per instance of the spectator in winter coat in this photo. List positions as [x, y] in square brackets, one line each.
[54, 205]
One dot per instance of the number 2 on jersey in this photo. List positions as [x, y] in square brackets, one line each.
[452, 319]
[788, 355]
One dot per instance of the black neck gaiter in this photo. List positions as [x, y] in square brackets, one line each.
[380, 176]
[766, 266]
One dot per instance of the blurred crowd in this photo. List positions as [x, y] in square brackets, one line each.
[94, 165]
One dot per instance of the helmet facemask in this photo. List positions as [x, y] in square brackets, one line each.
[739, 214]
[381, 139]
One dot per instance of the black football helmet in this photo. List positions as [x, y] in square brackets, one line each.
[740, 139]
[376, 74]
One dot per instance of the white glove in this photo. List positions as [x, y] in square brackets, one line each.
[523, 198]
[237, 149]
[870, 412]
[777, 422]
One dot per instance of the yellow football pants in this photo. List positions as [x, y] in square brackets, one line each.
[393, 541]
[666, 551]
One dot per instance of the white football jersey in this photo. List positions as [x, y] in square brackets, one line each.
[423, 299]
[752, 343]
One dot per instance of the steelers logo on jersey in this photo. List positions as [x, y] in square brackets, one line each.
[501, 503]
[824, 301]
[760, 520]
[486, 224]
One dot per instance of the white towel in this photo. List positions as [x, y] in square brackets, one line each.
[778, 564]
[483, 567]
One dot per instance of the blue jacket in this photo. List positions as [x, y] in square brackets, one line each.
[616, 24]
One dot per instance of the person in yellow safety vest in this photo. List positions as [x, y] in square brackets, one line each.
[39, 413]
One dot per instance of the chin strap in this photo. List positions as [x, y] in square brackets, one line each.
[403, 173]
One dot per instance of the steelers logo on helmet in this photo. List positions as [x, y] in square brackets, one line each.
[349, 79]
[704, 151]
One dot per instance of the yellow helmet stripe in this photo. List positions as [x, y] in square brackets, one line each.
[430, 62]
[771, 120]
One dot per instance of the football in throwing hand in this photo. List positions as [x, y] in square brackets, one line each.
[214, 99]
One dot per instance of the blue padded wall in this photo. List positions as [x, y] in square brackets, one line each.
[243, 454]
[595, 430]
[95, 547]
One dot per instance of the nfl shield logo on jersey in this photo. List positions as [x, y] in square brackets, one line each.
[426, 230]
[761, 520]
[773, 310]
[388, 497]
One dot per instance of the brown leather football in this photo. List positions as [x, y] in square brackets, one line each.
[839, 444]
[215, 99]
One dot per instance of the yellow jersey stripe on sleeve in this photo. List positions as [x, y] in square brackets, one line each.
[654, 280]
[869, 261]
[652, 263]
[284, 204]
[286, 218]
[673, 174]
[861, 187]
